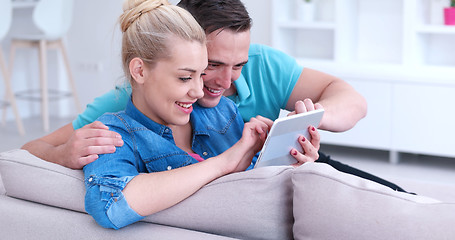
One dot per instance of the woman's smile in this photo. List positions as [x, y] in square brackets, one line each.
[186, 107]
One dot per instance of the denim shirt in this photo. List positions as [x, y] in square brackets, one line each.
[150, 147]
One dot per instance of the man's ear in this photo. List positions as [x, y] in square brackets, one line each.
[137, 70]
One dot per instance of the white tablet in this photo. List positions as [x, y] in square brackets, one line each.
[283, 136]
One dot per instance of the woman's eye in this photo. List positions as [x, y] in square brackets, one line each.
[185, 79]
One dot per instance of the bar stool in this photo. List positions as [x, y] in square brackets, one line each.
[5, 23]
[53, 18]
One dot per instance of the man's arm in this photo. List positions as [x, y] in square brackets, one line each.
[343, 105]
[75, 149]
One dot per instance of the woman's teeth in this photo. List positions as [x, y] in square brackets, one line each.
[188, 105]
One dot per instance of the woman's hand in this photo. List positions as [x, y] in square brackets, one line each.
[310, 148]
[253, 137]
[255, 132]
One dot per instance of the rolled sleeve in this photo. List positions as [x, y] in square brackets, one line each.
[106, 203]
[120, 214]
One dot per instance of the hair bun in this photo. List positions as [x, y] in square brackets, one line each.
[133, 9]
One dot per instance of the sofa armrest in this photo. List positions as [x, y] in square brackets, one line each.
[329, 204]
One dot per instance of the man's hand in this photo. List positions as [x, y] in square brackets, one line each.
[85, 144]
[75, 149]
[343, 105]
[305, 106]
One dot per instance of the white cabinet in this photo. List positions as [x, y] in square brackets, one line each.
[397, 53]
[379, 96]
[424, 119]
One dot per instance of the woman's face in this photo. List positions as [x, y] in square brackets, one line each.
[172, 85]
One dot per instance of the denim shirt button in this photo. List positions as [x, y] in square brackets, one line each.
[169, 167]
[205, 153]
[90, 179]
[166, 130]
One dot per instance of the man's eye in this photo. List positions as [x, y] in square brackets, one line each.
[238, 67]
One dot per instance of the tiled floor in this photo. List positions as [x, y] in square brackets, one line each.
[435, 176]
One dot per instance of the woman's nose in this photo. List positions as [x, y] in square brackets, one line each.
[197, 89]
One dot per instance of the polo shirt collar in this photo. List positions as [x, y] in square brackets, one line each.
[243, 90]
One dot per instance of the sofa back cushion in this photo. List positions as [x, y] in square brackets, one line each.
[30, 178]
[329, 204]
[2, 188]
[256, 204]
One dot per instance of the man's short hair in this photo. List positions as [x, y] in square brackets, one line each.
[219, 14]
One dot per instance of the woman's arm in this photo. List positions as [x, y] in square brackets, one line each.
[76, 148]
[149, 193]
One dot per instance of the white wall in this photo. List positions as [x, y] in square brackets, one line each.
[260, 12]
[94, 43]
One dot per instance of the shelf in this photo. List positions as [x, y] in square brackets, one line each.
[301, 25]
[435, 29]
[397, 53]
[393, 73]
[23, 4]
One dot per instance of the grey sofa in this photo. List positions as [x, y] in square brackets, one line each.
[41, 200]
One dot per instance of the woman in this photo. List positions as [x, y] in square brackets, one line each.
[172, 146]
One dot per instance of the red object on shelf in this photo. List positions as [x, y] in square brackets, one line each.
[449, 16]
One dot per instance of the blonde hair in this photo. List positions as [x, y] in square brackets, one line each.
[147, 26]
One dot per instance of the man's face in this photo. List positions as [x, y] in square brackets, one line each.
[227, 54]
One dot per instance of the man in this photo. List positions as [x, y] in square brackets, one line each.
[259, 79]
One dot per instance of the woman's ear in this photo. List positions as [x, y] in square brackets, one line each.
[137, 70]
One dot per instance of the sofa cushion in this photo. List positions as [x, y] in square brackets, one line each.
[2, 188]
[31, 178]
[250, 205]
[329, 204]
[21, 219]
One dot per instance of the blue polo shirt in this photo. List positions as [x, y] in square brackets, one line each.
[266, 82]
[263, 88]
